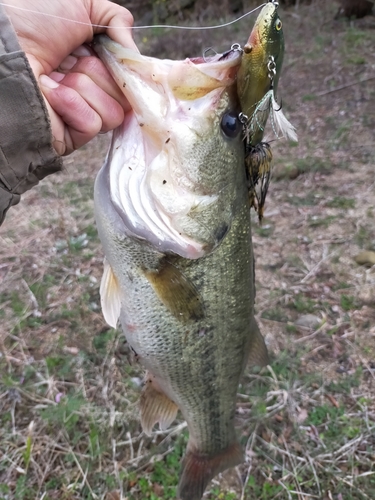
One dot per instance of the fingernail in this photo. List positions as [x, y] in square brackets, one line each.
[82, 51]
[46, 81]
[56, 76]
[68, 63]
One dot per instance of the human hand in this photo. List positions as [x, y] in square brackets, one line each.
[81, 97]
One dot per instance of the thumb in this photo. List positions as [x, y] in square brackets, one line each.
[118, 21]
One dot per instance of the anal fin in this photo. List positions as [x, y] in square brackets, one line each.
[198, 469]
[155, 406]
[176, 292]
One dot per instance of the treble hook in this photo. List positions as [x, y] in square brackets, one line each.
[271, 66]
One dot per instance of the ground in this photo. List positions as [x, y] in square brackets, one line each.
[68, 412]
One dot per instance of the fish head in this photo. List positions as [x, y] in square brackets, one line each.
[261, 64]
[175, 164]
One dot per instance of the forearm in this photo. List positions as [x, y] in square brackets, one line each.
[26, 152]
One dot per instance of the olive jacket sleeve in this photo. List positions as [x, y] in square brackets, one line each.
[26, 152]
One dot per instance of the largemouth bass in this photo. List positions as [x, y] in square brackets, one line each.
[173, 215]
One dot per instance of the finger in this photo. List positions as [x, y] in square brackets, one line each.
[118, 20]
[49, 31]
[106, 106]
[82, 121]
[93, 67]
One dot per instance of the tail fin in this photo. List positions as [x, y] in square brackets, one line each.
[198, 469]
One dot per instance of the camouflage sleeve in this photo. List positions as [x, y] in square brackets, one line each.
[26, 152]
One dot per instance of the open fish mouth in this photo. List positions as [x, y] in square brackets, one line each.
[157, 182]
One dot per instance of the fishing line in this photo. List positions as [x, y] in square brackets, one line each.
[166, 26]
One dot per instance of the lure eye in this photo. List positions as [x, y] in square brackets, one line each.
[278, 24]
[230, 124]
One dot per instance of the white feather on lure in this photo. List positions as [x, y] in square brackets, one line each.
[280, 124]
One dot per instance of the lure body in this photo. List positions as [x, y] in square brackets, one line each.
[259, 72]
[257, 82]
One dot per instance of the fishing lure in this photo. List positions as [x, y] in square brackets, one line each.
[256, 86]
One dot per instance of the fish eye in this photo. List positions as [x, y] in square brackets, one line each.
[278, 24]
[230, 124]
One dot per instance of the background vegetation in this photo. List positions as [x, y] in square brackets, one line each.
[68, 414]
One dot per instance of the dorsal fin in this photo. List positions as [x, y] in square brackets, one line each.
[258, 355]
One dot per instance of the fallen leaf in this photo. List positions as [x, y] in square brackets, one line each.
[266, 435]
[71, 350]
[365, 258]
[332, 400]
[113, 495]
[158, 489]
[302, 416]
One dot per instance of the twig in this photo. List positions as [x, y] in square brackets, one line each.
[312, 335]
[251, 440]
[316, 267]
[171, 431]
[314, 472]
[281, 451]
[83, 474]
[353, 486]
[115, 466]
[303, 494]
[341, 87]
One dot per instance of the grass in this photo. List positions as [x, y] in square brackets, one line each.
[316, 221]
[364, 237]
[288, 422]
[69, 426]
[341, 202]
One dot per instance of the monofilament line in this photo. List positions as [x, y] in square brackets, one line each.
[169, 26]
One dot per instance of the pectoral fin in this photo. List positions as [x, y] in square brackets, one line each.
[176, 292]
[258, 351]
[155, 407]
[110, 296]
